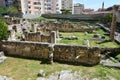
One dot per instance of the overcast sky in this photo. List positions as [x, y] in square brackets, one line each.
[95, 4]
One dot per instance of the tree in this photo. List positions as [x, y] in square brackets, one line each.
[66, 11]
[107, 18]
[2, 10]
[12, 11]
[3, 30]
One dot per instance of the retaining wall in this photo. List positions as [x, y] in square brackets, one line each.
[64, 53]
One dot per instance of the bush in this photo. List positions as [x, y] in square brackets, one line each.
[3, 30]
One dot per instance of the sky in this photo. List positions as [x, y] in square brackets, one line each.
[96, 4]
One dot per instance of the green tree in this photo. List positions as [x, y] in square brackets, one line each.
[2, 10]
[66, 11]
[3, 30]
[12, 11]
[107, 18]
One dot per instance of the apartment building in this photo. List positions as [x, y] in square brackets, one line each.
[6, 3]
[40, 6]
[45, 6]
[78, 8]
[2, 3]
[67, 4]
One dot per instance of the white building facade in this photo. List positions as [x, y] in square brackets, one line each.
[40, 6]
[45, 6]
[78, 8]
[67, 4]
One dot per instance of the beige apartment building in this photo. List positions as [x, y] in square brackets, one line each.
[78, 8]
[40, 6]
[45, 6]
[67, 4]
[2, 3]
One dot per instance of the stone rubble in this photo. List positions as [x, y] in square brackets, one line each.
[2, 57]
[67, 75]
[5, 78]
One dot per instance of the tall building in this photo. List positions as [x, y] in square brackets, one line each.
[67, 4]
[9, 2]
[78, 8]
[40, 6]
[2, 3]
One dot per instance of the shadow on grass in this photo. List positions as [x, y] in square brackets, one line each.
[105, 41]
[46, 61]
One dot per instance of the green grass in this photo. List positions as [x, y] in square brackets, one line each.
[81, 36]
[25, 69]
[41, 19]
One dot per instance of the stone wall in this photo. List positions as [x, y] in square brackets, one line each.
[0, 46]
[26, 49]
[65, 27]
[38, 37]
[112, 50]
[64, 53]
[76, 54]
[11, 20]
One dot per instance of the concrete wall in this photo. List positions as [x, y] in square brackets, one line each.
[64, 53]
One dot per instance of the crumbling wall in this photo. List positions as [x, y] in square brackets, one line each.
[26, 49]
[0, 45]
[64, 53]
[38, 37]
[76, 54]
[65, 27]
[11, 20]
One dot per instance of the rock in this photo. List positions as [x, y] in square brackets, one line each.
[2, 59]
[1, 53]
[102, 37]
[41, 73]
[96, 36]
[95, 79]
[86, 33]
[71, 38]
[65, 75]
[41, 78]
[5, 78]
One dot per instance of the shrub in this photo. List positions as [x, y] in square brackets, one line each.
[3, 30]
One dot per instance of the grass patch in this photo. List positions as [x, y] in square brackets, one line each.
[25, 69]
[93, 43]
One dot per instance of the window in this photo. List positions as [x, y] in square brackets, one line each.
[49, 8]
[29, 7]
[36, 3]
[37, 8]
[29, 2]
